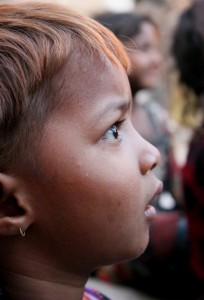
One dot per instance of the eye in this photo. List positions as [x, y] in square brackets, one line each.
[145, 47]
[113, 132]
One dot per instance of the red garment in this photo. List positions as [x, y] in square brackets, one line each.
[193, 182]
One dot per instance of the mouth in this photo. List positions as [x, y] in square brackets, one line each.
[158, 190]
[150, 211]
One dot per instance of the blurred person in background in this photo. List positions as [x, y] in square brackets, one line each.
[188, 51]
[168, 237]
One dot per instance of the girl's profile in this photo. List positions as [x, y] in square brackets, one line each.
[75, 176]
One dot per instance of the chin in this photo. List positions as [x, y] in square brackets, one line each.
[135, 251]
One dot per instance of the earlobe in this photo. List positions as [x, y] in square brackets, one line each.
[15, 210]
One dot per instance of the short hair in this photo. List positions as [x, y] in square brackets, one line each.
[188, 47]
[36, 41]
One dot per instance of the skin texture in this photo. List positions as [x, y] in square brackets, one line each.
[89, 208]
[145, 57]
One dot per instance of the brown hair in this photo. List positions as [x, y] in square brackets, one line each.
[36, 40]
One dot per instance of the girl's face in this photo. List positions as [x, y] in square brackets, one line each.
[145, 57]
[94, 204]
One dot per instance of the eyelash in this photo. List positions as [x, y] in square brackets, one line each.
[114, 131]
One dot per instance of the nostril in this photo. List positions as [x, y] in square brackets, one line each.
[149, 159]
[148, 165]
[153, 166]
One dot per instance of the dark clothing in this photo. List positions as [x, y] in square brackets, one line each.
[193, 182]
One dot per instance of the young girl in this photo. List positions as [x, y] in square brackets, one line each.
[75, 176]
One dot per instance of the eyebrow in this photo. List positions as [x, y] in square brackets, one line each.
[108, 109]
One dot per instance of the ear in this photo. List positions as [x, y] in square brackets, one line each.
[15, 210]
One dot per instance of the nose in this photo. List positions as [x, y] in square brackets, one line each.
[156, 57]
[149, 159]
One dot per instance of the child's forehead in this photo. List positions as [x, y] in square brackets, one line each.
[83, 69]
[87, 60]
[92, 100]
[85, 75]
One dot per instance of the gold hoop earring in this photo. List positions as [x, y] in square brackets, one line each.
[22, 233]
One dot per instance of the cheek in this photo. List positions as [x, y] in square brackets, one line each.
[111, 214]
[145, 64]
[139, 62]
[137, 67]
[101, 209]
[109, 197]
[103, 187]
[139, 71]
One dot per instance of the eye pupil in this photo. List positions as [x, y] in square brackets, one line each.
[115, 132]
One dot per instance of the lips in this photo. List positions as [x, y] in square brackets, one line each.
[158, 190]
[150, 211]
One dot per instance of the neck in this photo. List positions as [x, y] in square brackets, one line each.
[41, 281]
[29, 274]
[20, 287]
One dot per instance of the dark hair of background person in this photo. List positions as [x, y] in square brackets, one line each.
[124, 25]
[188, 48]
[188, 53]
[127, 27]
